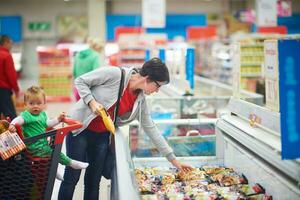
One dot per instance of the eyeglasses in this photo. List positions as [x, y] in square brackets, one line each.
[157, 84]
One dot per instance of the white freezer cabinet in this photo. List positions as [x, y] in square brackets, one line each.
[254, 147]
[234, 148]
[124, 185]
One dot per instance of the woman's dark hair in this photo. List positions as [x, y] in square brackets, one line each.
[156, 70]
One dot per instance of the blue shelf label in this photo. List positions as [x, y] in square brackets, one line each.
[289, 85]
[190, 66]
[162, 55]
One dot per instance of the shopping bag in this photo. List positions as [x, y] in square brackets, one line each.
[110, 161]
[10, 144]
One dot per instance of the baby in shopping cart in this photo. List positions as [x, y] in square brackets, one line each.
[34, 121]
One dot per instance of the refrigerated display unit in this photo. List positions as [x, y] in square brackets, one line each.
[209, 97]
[247, 139]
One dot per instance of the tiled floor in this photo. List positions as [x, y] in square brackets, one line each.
[53, 109]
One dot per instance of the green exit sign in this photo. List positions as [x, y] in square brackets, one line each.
[39, 26]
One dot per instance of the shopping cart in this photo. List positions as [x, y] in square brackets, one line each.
[26, 177]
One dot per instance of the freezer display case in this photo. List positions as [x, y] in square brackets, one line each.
[187, 137]
[171, 102]
[252, 144]
[249, 146]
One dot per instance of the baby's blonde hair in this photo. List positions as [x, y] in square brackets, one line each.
[34, 91]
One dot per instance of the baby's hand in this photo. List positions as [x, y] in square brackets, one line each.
[61, 116]
[12, 128]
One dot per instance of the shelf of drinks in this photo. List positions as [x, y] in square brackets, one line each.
[256, 54]
[250, 74]
[250, 45]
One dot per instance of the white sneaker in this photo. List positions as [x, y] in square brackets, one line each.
[59, 176]
[78, 164]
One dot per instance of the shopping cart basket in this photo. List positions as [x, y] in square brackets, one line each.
[26, 177]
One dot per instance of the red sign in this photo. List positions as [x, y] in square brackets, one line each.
[197, 33]
[128, 29]
[277, 29]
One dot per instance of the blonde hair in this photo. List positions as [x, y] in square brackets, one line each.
[95, 43]
[34, 91]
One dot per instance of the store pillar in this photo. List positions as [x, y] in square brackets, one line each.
[96, 18]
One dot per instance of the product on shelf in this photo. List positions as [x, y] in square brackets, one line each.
[207, 182]
[55, 73]
[251, 62]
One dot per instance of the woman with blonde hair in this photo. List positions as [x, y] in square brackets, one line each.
[87, 60]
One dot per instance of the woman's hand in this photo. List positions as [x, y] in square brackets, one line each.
[181, 166]
[95, 106]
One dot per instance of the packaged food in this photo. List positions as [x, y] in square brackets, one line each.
[168, 178]
[145, 188]
[217, 170]
[148, 197]
[229, 179]
[195, 174]
[208, 182]
[250, 190]
[259, 197]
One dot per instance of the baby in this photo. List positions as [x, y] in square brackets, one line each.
[34, 121]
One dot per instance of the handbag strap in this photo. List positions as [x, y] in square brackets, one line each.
[121, 87]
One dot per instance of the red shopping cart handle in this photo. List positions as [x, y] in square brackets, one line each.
[62, 132]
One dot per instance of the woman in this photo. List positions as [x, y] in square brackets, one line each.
[99, 89]
[87, 60]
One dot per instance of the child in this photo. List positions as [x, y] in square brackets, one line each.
[34, 121]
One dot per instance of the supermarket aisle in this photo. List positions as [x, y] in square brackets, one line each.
[53, 110]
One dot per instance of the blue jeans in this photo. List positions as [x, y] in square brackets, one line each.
[89, 147]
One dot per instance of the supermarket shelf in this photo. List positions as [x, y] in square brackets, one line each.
[256, 54]
[252, 45]
[251, 63]
[57, 74]
[50, 98]
[251, 75]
